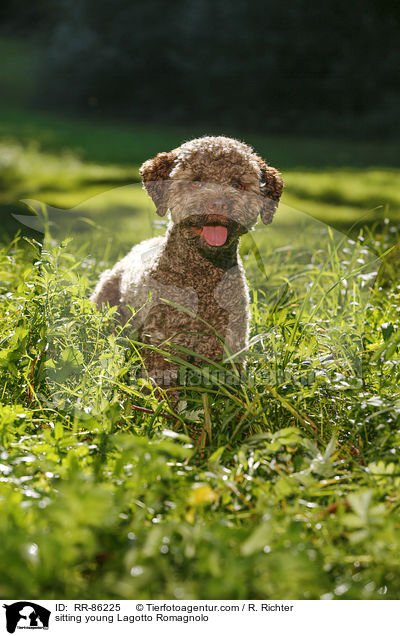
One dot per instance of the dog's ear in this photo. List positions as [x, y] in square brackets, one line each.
[155, 173]
[271, 185]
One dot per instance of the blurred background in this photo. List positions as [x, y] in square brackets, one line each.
[91, 88]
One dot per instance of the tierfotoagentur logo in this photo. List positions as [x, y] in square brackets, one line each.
[26, 615]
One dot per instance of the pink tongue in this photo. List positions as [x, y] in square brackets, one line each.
[214, 234]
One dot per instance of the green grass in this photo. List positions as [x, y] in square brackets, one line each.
[295, 494]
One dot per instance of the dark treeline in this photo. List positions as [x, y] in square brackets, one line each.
[295, 66]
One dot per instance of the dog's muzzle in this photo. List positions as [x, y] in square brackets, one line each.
[214, 230]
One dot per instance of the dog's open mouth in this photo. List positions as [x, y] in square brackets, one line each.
[215, 235]
[212, 232]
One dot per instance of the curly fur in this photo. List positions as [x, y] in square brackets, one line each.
[208, 182]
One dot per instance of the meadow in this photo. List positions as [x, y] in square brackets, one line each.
[291, 489]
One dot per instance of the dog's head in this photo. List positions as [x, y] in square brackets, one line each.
[215, 187]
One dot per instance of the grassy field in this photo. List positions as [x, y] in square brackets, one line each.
[292, 490]
[295, 493]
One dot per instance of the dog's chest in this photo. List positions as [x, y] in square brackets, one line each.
[215, 298]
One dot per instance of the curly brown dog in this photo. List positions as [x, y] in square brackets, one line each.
[188, 288]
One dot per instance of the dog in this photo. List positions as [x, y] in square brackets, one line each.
[187, 289]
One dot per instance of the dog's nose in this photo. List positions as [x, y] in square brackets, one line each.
[218, 206]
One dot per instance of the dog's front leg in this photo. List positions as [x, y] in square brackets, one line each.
[159, 369]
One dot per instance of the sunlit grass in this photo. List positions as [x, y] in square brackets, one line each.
[293, 491]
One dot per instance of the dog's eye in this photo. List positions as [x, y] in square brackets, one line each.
[238, 185]
[195, 185]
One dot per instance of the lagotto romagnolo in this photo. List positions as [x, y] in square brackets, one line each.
[214, 189]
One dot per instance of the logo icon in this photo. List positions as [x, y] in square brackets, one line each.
[26, 615]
